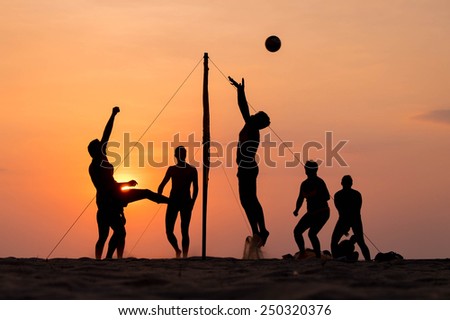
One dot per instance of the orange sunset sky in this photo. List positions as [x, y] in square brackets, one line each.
[373, 73]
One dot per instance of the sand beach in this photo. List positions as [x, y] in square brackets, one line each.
[222, 278]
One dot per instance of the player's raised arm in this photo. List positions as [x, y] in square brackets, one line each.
[242, 100]
[109, 126]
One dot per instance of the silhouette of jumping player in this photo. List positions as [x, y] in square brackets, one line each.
[348, 202]
[315, 191]
[183, 175]
[248, 167]
[110, 197]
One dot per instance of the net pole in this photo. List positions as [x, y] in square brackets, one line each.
[206, 160]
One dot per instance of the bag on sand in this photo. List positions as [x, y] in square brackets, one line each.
[388, 256]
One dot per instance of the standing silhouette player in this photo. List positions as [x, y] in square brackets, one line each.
[110, 197]
[348, 202]
[248, 167]
[183, 175]
[315, 191]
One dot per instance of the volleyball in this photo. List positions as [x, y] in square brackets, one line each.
[273, 44]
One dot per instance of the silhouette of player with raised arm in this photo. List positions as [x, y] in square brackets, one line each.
[110, 197]
[348, 202]
[315, 191]
[248, 170]
[183, 176]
